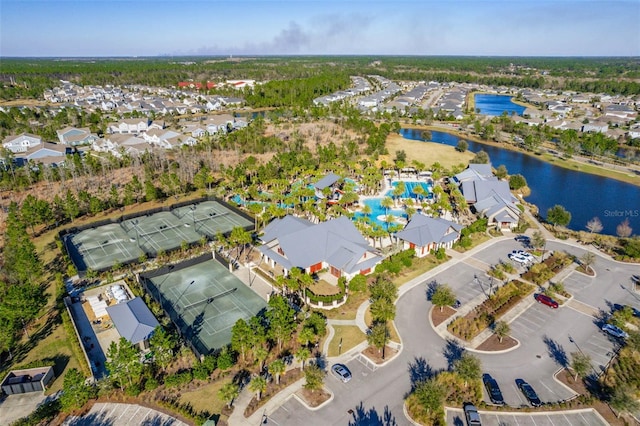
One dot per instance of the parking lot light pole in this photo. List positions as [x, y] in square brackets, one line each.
[595, 372]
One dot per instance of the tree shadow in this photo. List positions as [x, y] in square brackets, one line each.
[320, 360]
[431, 289]
[370, 417]
[242, 378]
[556, 352]
[452, 352]
[91, 419]
[457, 420]
[196, 326]
[158, 420]
[419, 371]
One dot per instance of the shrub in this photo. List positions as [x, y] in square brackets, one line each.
[133, 390]
[151, 384]
[175, 380]
[358, 283]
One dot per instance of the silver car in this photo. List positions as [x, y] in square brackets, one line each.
[341, 372]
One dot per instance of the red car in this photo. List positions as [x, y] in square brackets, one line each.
[546, 300]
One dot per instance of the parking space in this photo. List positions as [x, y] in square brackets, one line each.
[587, 417]
[121, 415]
[462, 282]
[576, 283]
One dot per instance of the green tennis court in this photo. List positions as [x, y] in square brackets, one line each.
[99, 248]
[205, 301]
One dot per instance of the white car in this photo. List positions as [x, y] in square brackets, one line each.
[525, 254]
[518, 258]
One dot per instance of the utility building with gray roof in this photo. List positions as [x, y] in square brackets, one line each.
[134, 321]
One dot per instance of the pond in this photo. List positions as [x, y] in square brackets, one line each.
[584, 195]
[496, 104]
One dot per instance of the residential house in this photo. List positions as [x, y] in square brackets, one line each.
[130, 126]
[336, 245]
[134, 321]
[47, 153]
[219, 123]
[21, 142]
[424, 233]
[76, 136]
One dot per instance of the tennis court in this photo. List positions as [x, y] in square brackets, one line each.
[210, 218]
[125, 242]
[160, 231]
[101, 248]
[205, 300]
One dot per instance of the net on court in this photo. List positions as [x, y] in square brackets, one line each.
[160, 231]
[102, 247]
[210, 218]
[205, 301]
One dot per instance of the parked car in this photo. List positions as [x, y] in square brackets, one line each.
[495, 395]
[618, 307]
[522, 239]
[528, 393]
[471, 414]
[518, 258]
[524, 254]
[341, 372]
[614, 331]
[546, 300]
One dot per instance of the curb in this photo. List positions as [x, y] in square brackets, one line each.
[555, 378]
[304, 404]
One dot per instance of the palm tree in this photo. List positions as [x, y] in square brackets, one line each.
[276, 368]
[303, 355]
[258, 385]
[228, 393]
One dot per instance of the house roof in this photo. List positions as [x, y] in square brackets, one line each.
[327, 181]
[336, 242]
[477, 190]
[424, 230]
[474, 171]
[133, 320]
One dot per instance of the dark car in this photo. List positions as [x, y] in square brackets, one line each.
[471, 414]
[341, 372]
[546, 300]
[528, 393]
[634, 311]
[495, 395]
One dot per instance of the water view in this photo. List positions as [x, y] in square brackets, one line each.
[496, 105]
[584, 195]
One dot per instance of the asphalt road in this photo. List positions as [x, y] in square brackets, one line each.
[375, 396]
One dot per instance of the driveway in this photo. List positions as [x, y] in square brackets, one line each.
[586, 417]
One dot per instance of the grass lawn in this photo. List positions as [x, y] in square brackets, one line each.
[351, 336]
[349, 309]
[427, 152]
[393, 333]
[206, 398]
[476, 239]
[420, 266]
[324, 288]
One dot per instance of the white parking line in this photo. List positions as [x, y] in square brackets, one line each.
[550, 421]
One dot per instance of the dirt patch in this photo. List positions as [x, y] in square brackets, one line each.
[375, 354]
[590, 272]
[579, 387]
[313, 398]
[493, 343]
[438, 317]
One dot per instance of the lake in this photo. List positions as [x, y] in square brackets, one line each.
[584, 195]
[496, 105]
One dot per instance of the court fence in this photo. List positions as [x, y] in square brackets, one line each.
[79, 262]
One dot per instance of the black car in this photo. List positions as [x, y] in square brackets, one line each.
[495, 395]
[528, 393]
[471, 414]
[618, 307]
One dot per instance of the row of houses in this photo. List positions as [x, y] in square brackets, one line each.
[139, 98]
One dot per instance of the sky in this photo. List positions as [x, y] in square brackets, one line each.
[103, 28]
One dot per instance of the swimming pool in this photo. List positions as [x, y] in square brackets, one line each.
[378, 212]
[408, 190]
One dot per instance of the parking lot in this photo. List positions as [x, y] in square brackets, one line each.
[587, 417]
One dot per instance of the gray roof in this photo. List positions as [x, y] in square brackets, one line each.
[424, 230]
[133, 320]
[473, 172]
[327, 181]
[478, 190]
[336, 242]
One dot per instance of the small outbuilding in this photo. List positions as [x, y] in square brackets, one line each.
[134, 321]
[27, 380]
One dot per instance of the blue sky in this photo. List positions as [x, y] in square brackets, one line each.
[296, 27]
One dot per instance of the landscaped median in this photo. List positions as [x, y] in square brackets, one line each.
[489, 311]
